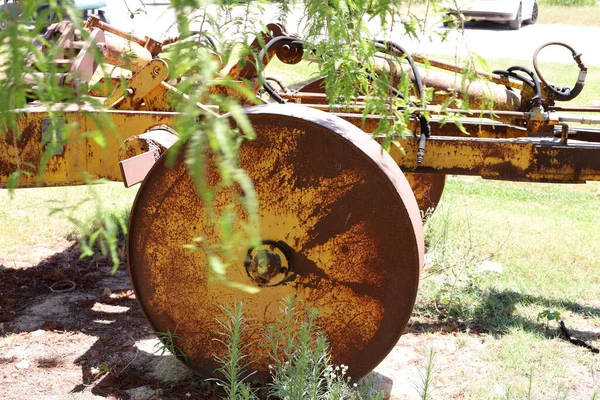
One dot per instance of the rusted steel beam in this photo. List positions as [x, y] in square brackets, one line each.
[50, 155]
[455, 68]
[522, 159]
[475, 127]
[576, 108]
[583, 133]
[138, 153]
[469, 117]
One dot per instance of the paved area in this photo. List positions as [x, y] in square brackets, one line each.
[488, 40]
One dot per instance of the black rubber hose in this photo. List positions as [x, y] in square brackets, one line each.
[536, 83]
[399, 50]
[564, 93]
[521, 78]
[532, 81]
[266, 85]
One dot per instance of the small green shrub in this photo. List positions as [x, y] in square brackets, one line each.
[301, 363]
[102, 229]
[233, 366]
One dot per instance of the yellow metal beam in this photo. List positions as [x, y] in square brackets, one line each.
[83, 145]
[527, 159]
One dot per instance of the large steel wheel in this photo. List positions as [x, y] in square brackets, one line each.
[341, 231]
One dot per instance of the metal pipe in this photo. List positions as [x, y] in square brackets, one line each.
[579, 119]
[95, 22]
[125, 54]
[575, 108]
[455, 68]
[433, 108]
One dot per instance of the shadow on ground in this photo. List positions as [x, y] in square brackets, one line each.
[71, 320]
[489, 26]
[495, 312]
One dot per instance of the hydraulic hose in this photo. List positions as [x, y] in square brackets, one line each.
[563, 93]
[261, 56]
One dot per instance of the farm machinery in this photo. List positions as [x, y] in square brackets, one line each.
[339, 219]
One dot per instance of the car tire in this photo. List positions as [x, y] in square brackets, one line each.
[515, 24]
[534, 15]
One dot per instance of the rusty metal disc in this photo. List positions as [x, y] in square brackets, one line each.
[340, 227]
[428, 190]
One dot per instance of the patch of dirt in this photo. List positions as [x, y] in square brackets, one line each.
[69, 329]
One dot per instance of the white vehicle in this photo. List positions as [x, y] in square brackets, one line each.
[11, 9]
[513, 12]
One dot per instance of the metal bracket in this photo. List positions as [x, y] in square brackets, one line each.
[138, 86]
[135, 169]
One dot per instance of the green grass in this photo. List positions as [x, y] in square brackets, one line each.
[544, 235]
[32, 217]
[562, 15]
[533, 219]
[577, 16]
[547, 241]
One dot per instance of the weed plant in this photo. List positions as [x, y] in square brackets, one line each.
[457, 285]
[301, 365]
[167, 346]
[425, 387]
[234, 365]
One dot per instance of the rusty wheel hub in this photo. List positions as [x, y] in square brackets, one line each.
[267, 264]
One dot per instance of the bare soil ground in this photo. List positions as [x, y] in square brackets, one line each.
[71, 330]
